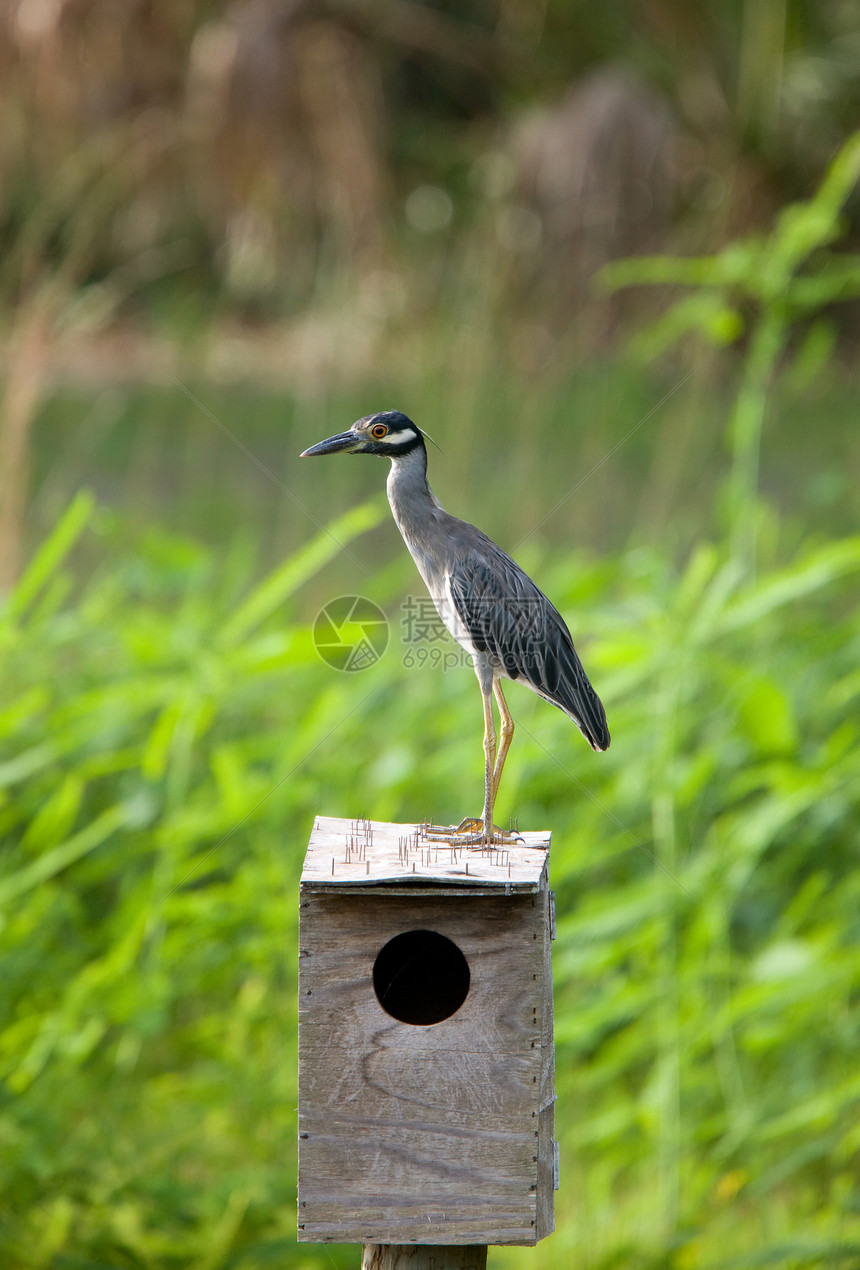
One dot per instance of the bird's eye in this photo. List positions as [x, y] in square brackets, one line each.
[378, 430]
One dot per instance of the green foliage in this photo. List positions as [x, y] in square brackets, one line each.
[167, 730]
[168, 733]
[781, 280]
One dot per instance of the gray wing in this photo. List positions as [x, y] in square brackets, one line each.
[508, 618]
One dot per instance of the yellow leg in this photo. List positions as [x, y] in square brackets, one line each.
[483, 832]
[489, 765]
[507, 735]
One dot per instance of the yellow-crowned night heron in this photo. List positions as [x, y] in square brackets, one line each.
[489, 605]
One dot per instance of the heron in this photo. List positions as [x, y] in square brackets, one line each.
[490, 606]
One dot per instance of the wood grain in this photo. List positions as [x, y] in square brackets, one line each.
[545, 1221]
[365, 853]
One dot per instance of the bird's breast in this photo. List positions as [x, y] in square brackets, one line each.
[425, 529]
[437, 581]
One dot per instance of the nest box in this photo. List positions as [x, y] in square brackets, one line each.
[425, 1039]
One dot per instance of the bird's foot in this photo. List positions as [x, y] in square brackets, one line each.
[471, 833]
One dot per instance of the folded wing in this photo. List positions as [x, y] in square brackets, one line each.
[509, 619]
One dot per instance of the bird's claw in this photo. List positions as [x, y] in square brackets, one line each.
[470, 833]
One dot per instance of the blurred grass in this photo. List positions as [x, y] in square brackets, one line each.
[159, 455]
[168, 734]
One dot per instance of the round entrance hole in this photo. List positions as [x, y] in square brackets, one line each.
[420, 977]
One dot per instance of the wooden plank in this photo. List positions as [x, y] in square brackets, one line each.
[503, 945]
[427, 1227]
[414, 1133]
[430, 1225]
[399, 1169]
[545, 1205]
[547, 1040]
[545, 1208]
[359, 853]
[432, 887]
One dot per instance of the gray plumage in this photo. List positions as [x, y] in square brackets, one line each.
[488, 603]
[490, 606]
[513, 623]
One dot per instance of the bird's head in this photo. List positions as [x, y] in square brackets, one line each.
[389, 434]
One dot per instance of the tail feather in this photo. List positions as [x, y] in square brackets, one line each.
[586, 709]
[568, 687]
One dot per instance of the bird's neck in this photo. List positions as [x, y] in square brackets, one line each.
[410, 496]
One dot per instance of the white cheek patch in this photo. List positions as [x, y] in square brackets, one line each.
[397, 438]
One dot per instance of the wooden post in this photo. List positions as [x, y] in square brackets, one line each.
[424, 1257]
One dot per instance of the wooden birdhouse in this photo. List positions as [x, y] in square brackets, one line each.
[425, 1039]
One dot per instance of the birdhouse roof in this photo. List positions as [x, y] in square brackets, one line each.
[344, 855]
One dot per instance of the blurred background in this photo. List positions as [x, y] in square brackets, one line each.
[607, 256]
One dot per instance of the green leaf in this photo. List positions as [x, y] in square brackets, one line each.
[802, 227]
[59, 858]
[768, 719]
[55, 817]
[813, 572]
[52, 553]
[295, 571]
[637, 271]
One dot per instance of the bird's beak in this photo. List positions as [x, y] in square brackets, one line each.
[344, 442]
